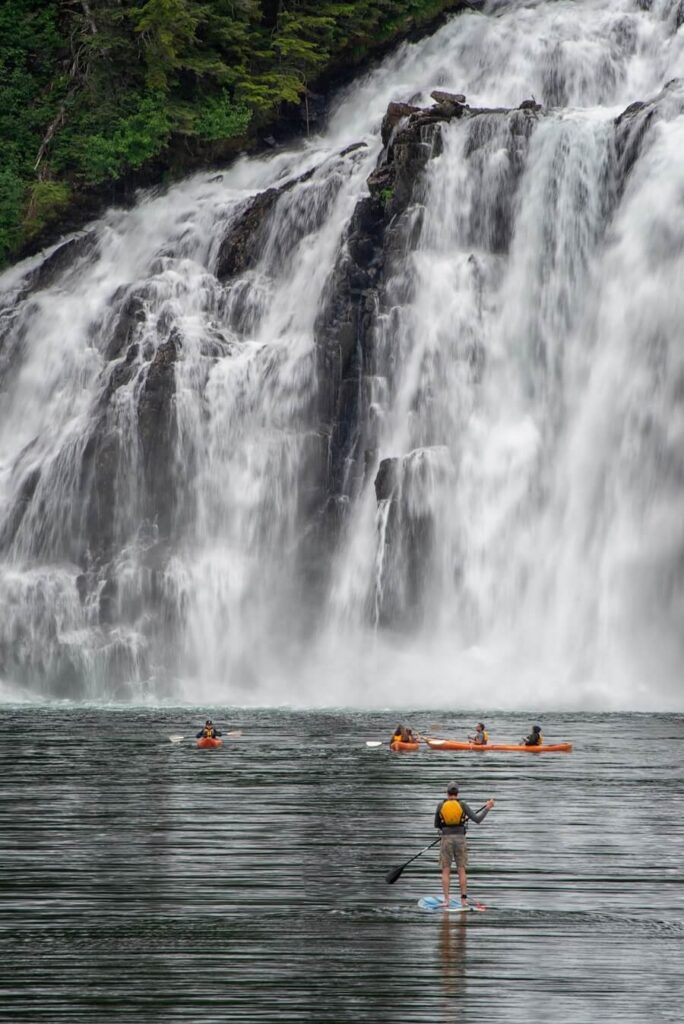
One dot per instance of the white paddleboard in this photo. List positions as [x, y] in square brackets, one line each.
[455, 905]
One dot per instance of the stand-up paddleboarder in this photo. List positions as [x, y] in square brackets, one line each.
[451, 818]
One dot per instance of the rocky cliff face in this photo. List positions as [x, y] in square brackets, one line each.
[368, 288]
[124, 488]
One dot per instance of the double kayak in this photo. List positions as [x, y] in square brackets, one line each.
[400, 745]
[208, 741]
[545, 748]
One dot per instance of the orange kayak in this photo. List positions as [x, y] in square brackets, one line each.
[207, 741]
[398, 745]
[546, 748]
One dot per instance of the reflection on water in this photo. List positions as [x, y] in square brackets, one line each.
[146, 881]
[452, 933]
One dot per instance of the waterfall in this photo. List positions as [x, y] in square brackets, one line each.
[269, 438]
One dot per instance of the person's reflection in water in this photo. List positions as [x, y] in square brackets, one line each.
[452, 956]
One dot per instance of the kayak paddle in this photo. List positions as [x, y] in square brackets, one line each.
[382, 743]
[233, 735]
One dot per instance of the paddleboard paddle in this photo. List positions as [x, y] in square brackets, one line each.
[395, 873]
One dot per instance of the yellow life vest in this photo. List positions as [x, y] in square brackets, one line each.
[396, 738]
[486, 736]
[452, 813]
[209, 733]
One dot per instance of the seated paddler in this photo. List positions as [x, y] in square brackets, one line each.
[535, 739]
[208, 731]
[481, 737]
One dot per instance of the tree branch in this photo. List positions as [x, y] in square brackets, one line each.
[89, 17]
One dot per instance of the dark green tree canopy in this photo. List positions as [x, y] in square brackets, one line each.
[93, 90]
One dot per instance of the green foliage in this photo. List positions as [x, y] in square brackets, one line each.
[12, 189]
[31, 84]
[167, 31]
[93, 91]
[47, 201]
[128, 144]
[220, 118]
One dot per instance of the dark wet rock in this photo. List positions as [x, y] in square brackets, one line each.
[411, 149]
[249, 234]
[82, 586]
[61, 259]
[108, 600]
[131, 316]
[354, 148]
[632, 126]
[406, 486]
[387, 479]
[380, 179]
[396, 112]
[99, 467]
[492, 213]
[378, 234]
[243, 244]
[530, 105]
[385, 226]
[123, 371]
[106, 459]
[24, 498]
[446, 112]
[448, 98]
[630, 111]
[448, 104]
[157, 431]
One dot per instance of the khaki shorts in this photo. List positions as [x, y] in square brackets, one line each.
[453, 848]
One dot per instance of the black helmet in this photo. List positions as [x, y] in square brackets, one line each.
[536, 728]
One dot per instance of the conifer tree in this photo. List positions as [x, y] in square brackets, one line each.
[93, 90]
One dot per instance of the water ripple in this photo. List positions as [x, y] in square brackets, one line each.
[146, 881]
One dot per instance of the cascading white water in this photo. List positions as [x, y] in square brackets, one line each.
[528, 379]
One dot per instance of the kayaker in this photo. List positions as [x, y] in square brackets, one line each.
[208, 731]
[535, 739]
[404, 735]
[451, 818]
[481, 737]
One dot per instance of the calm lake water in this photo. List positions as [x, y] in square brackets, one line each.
[147, 881]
